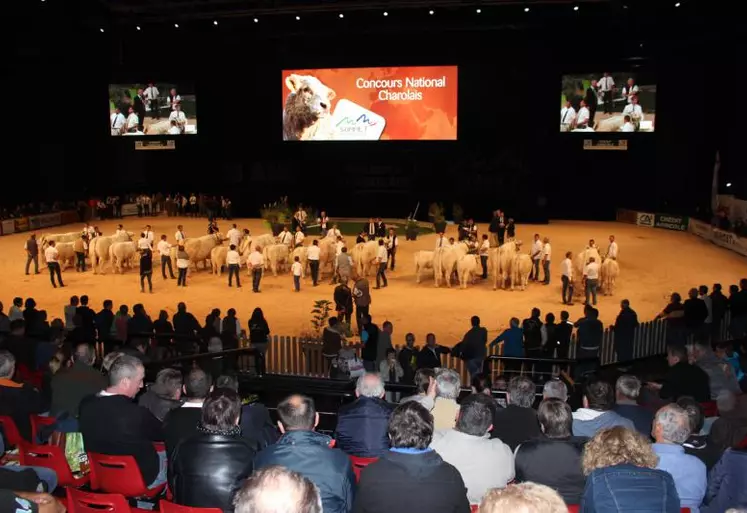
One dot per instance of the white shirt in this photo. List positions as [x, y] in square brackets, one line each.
[256, 259]
[143, 243]
[567, 114]
[323, 222]
[630, 93]
[634, 111]
[151, 93]
[51, 254]
[312, 252]
[149, 235]
[174, 130]
[232, 257]
[334, 233]
[132, 121]
[164, 248]
[583, 116]
[117, 121]
[178, 116]
[392, 242]
[296, 268]
[234, 236]
[566, 268]
[628, 127]
[546, 251]
[591, 271]
[537, 250]
[612, 251]
[606, 84]
[484, 248]
[442, 242]
[177, 99]
[182, 263]
[179, 236]
[381, 255]
[299, 238]
[285, 237]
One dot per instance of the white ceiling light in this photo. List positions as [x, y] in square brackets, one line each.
[215, 22]
[478, 11]
[677, 4]
[430, 12]
[341, 15]
[102, 30]
[137, 28]
[256, 20]
[526, 9]
[176, 25]
[575, 8]
[298, 18]
[728, 184]
[386, 13]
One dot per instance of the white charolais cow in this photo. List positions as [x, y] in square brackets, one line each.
[65, 255]
[467, 267]
[199, 249]
[265, 240]
[579, 263]
[327, 254]
[364, 257]
[501, 260]
[218, 258]
[121, 254]
[445, 260]
[423, 261]
[521, 268]
[608, 272]
[58, 237]
[276, 257]
[98, 249]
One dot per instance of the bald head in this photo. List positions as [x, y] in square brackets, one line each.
[276, 489]
[297, 413]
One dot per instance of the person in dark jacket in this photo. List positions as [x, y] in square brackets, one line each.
[518, 421]
[362, 425]
[554, 459]
[696, 312]
[411, 476]
[208, 468]
[563, 332]
[698, 445]
[181, 423]
[70, 386]
[620, 465]
[408, 359]
[473, 347]
[430, 356]
[164, 395]
[111, 423]
[146, 270]
[88, 317]
[370, 339]
[17, 400]
[627, 390]
[259, 336]
[256, 425]
[727, 483]
[104, 322]
[683, 379]
[589, 335]
[343, 297]
[719, 304]
[302, 450]
[186, 329]
[624, 327]
[674, 315]
[532, 334]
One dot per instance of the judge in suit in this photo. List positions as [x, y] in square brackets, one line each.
[501, 220]
[138, 105]
[380, 228]
[591, 100]
[370, 228]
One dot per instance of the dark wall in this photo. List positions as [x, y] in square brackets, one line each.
[509, 153]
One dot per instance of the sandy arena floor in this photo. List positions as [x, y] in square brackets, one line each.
[653, 263]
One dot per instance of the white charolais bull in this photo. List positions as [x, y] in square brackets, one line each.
[121, 254]
[276, 257]
[218, 258]
[364, 257]
[608, 272]
[423, 261]
[445, 260]
[200, 248]
[58, 237]
[327, 254]
[265, 240]
[467, 267]
[98, 249]
[521, 268]
[579, 263]
[501, 260]
[65, 255]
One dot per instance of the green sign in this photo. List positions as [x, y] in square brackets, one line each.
[671, 222]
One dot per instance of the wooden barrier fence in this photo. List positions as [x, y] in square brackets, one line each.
[301, 357]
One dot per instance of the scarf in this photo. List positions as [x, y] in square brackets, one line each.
[232, 431]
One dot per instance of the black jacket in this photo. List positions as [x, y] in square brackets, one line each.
[685, 379]
[591, 98]
[179, 424]
[157, 405]
[369, 351]
[362, 427]
[427, 359]
[532, 333]
[474, 343]
[71, 386]
[626, 324]
[206, 470]
[19, 402]
[309, 454]
[514, 425]
[696, 312]
[343, 297]
[405, 357]
[115, 425]
[104, 321]
[719, 302]
[555, 463]
[406, 483]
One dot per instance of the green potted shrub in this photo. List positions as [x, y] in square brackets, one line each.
[457, 213]
[276, 214]
[411, 229]
[436, 213]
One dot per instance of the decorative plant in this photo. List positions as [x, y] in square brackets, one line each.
[320, 315]
[436, 212]
[457, 213]
[278, 212]
[412, 225]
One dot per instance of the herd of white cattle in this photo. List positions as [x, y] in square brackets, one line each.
[508, 267]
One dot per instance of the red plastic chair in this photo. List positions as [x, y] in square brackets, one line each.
[159, 446]
[119, 474]
[474, 508]
[87, 502]
[710, 409]
[359, 464]
[12, 435]
[573, 508]
[170, 507]
[37, 422]
[50, 456]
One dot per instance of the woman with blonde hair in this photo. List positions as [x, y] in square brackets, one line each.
[620, 465]
[523, 498]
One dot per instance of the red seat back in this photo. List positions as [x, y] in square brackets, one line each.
[119, 474]
[37, 421]
[86, 502]
[50, 456]
[710, 408]
[12, 435]
[474, 508]
[170, 507]
[359, 464]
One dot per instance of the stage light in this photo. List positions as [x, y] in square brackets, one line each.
[298, 18]
[341, 15]
[478, 11]
[575, 8]
[215, 22]
[430, 12]
[256, 20]
[137, 28]
[386, 13]
[101, 30]
[176, 25]
[625, 6]
[677, 4]
[526, 9]
[728, 184]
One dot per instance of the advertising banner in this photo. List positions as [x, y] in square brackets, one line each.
[8, 227]
[730, 241]
[21, 224]
[626, 216]
[129, 209]
[44, 221]
[606, 144]
[671, 222]
[700, 228]
[645, 219]
[69, 216]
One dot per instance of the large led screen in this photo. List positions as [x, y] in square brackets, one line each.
[152, 108]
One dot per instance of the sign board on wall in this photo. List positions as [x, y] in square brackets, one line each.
[9, 226]
[645, 219]
[606, 144]
[21, 224]
[671, 222]
[44, 221]
[700, 228]
[730, 241]
[129, 209]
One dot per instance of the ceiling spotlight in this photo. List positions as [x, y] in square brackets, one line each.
[430, 12]
[641, 45]
[677, 4]
[101, 30]
[137, 28]
[728, 184]
[575, 8]
[478, 11]
[215, 22]
[176, 25]
[341, 15]
[298, 18]
[256, 20]
[625, 6]
[386, 13]
[526, 9]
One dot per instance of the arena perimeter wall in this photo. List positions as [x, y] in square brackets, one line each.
[702, 229]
